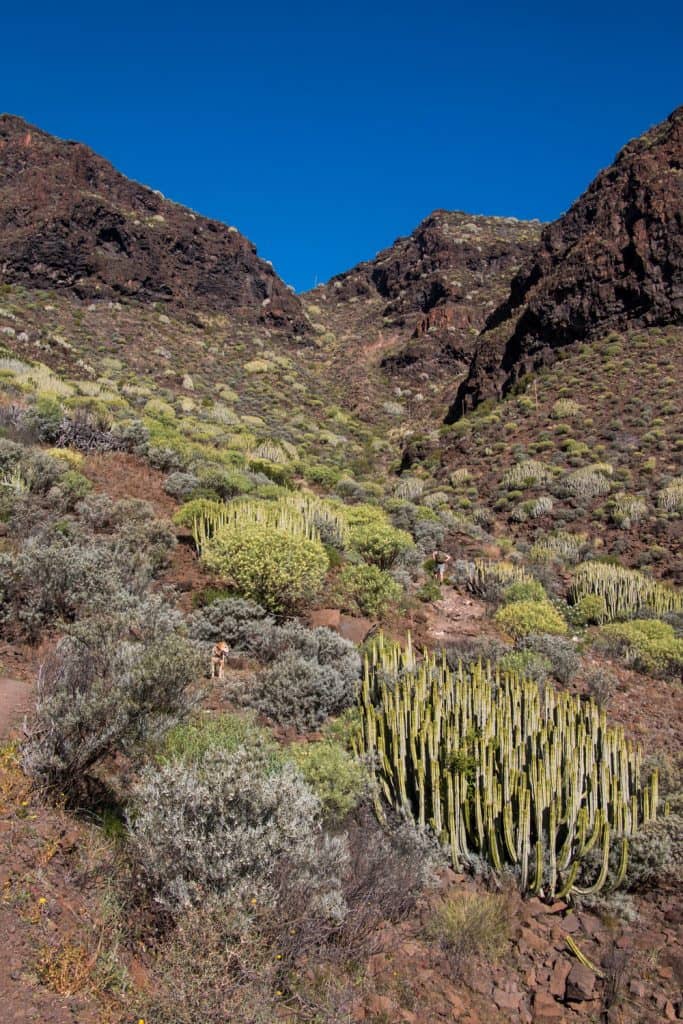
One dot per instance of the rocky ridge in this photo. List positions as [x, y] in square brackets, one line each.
[70, 222]
[419, 305]
[614, 260]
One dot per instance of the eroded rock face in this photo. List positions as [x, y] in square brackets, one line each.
[69, 220]
[421, 303]
[614, 260]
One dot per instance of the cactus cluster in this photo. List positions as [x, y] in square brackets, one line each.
[626, 592]
[484, 575]
[299, 515]
[670, 498]
[560, 546]
[501, 769]
[529, 473]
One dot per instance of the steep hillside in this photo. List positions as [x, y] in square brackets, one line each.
[615, 259]
[238, 793]
[417, 307]
[70, 221]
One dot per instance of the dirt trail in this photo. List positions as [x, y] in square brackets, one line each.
[453, 617]
[15, 701]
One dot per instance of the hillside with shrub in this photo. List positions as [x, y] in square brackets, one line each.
[261, 763]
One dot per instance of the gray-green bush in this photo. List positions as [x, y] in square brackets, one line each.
[113, 683]
[223, 827]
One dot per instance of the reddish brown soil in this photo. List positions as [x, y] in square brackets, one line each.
[123, 476]
[47, 855]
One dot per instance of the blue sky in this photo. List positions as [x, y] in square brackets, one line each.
[323, 131]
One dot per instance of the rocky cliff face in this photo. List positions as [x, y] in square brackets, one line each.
[614, 260]
[422, 301]
[69, 220]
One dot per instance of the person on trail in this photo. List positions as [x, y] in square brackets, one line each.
[441, 560]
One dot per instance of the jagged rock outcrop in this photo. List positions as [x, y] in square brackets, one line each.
[614, 260]
[421, 302]
[69, 220]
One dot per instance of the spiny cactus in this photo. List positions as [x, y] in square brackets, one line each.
[300, 515]
[559, 546]
[529, 473]
[484, 575]
[501, 769]
[626, 591]
[670, 498]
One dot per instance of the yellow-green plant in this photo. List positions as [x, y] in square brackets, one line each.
[648, 644]
[560, 546]
[626, 591]
[69, 455]
[373, 536]
[485, 577]
[521, 618]
[501, 769]
[565, 408]
[670, 498]
[273, 566]
[13, 480]
[298, 514]
[529, 473]
[204, 517]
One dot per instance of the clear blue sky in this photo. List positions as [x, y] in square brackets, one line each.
[324, 131]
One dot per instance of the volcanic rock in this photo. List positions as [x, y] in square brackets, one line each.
[70, 221]
[614, 260]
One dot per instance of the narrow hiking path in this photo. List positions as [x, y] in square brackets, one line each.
[15, 703]
[453, 617]
[18, 669]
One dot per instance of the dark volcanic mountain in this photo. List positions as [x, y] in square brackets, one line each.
[614, 260]
[421, 302]
[69, 220]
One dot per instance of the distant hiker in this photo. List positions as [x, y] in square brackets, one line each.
[441, 560]
[219, 653]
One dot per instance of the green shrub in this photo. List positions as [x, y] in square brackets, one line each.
[519, 618]
[380, 543]
[524, 590]
[526, 663]
[649, 645]
[74, 487]
[590, 610]
[429, 591]
[189, 742]
[367, 589]
[282, 475]
[373, 536]
[268, 565]
[336, 777]
[656, 854]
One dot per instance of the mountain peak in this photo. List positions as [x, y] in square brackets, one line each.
[613, 261]
[70, 221]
